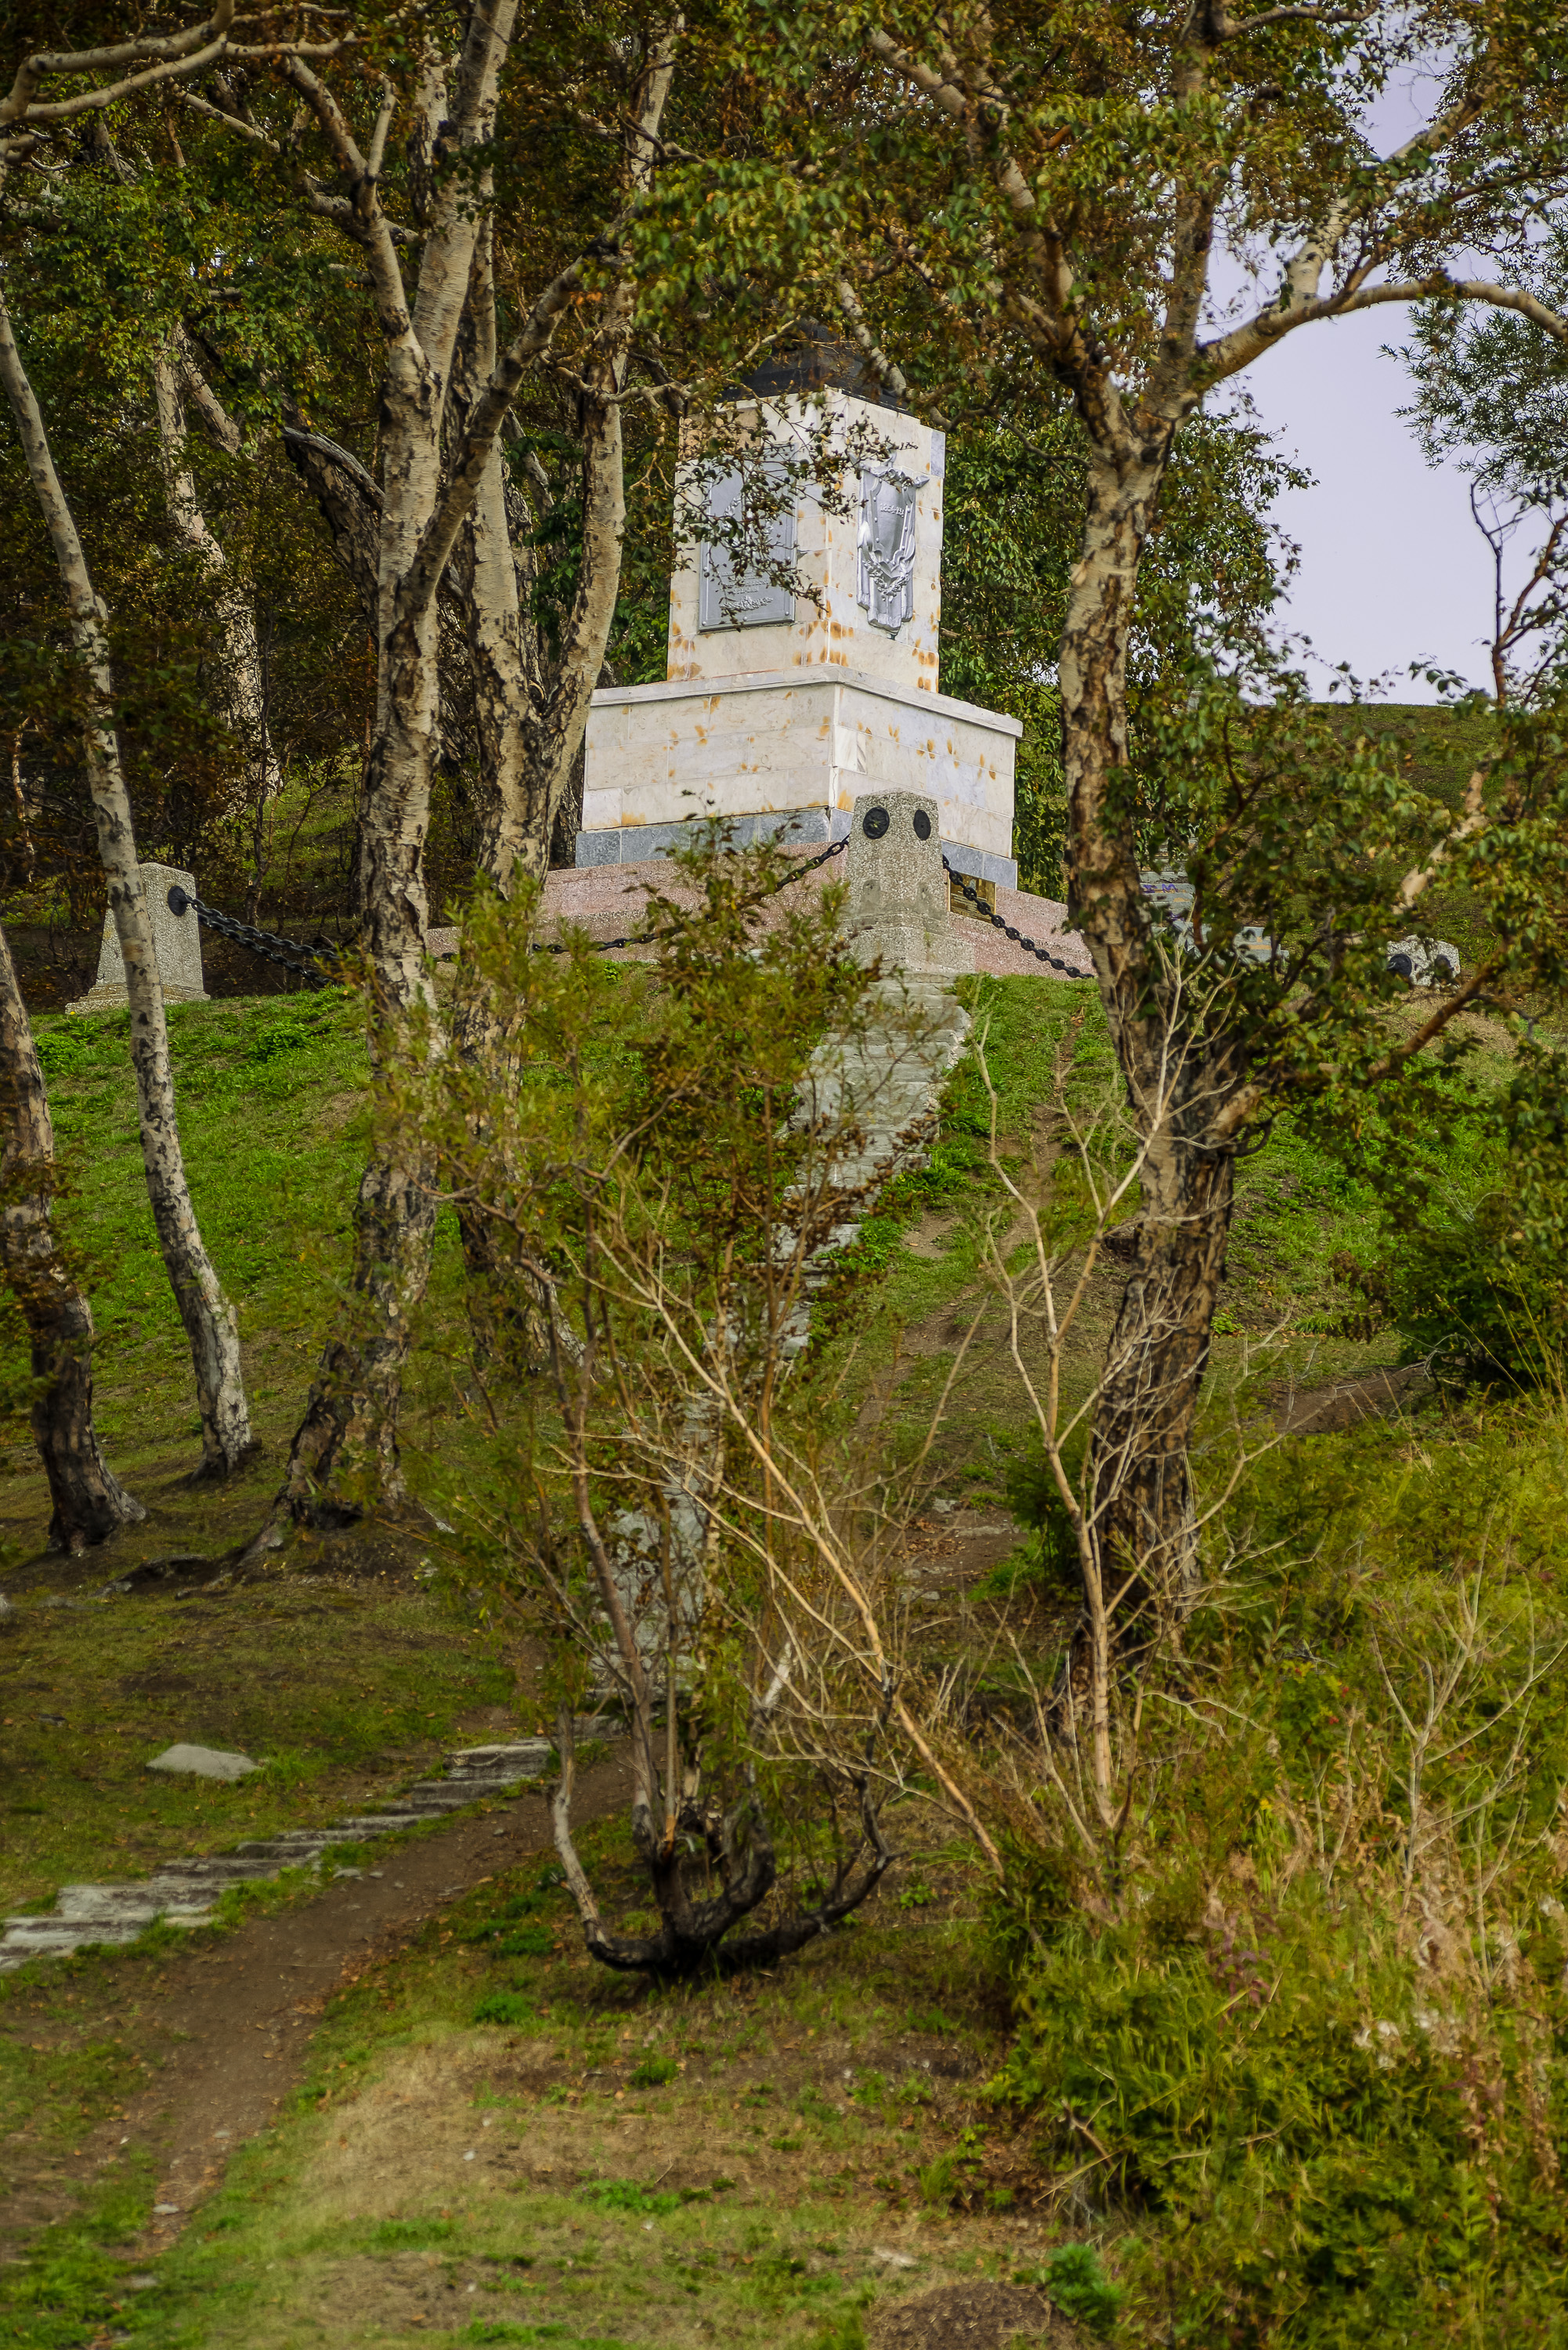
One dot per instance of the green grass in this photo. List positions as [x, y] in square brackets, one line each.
[592, 2213]
[333, 1691]
[333, 1688]
[274, 1121]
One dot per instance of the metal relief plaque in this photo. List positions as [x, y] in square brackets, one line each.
[885, 567]
[749, 599]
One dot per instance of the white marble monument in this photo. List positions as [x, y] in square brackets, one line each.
[782, 706]
[176, 942]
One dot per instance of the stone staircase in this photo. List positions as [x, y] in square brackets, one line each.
[183, 1892]
[887, 1083]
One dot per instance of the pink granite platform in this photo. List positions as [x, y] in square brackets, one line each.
[606, 901]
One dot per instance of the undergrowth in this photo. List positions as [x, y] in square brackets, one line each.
[1301, 2020]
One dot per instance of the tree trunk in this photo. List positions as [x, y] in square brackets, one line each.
[208, 1316]
[1141, 1505]
[1179, 1075]
[483, 579]
[89, 1504]
[345, 1448]
[244, 682]
[345, 1453]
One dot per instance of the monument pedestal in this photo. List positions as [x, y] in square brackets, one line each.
[790, 752]
[798, 685]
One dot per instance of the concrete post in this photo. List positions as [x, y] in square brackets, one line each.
[899, 898]
[176, 942]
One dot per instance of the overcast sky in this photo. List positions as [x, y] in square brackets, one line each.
[1393, 569]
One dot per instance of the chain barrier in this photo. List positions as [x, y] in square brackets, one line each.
[1007, 930]
[315, 965]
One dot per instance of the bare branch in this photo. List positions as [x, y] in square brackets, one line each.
[169, 52]
[1245, 343]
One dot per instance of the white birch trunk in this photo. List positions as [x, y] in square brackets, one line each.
[346, 1443]
[245, 685]
[208, 1316]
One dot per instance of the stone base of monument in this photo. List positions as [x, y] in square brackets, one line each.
[899, 910]
[114, 997]
[610, 901]
[660, 757]
[176, 943]
[884, 1080]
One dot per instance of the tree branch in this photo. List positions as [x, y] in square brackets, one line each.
[365, 221]
[343, 459]
[484, 422]
[1220, 26]
[888, 372]
[1230, 353]
[169, 53]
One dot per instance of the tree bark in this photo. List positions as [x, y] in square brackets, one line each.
[88, 1502]
[502, 642]
[346, 1447]
[1180, 1075]
[208, 1316]
[244, 683]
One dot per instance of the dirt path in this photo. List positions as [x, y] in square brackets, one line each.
[225, 2029]
[1327, 1411]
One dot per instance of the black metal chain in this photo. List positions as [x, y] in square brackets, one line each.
[1007, 930]
[315, 965]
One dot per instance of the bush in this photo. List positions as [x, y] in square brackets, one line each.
[1480, 1295]
[1050, 1555]
[1078, 2283]
[1335, 2147]
[654, 2071]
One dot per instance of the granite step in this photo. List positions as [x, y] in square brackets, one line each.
[184, 1892]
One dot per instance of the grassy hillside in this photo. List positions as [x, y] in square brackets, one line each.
[1170, 2082]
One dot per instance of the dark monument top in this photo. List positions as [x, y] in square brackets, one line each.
[816, 360]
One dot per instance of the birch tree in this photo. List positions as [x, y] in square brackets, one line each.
[1036, 195]
[88, 1502]
[205, 1312]
[433, 519]
[27, 123]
